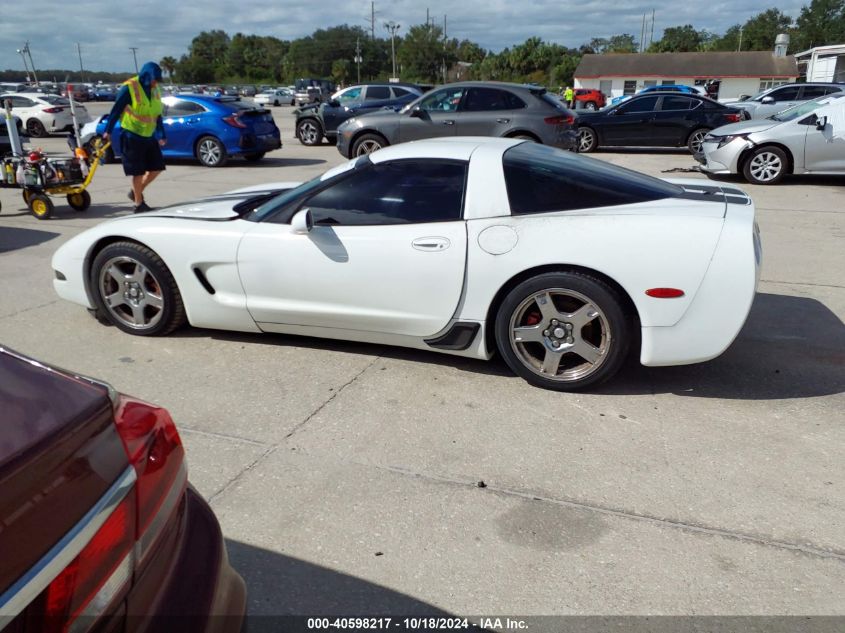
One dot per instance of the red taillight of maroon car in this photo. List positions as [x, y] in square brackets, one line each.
[234, 120]
[89, 585]
[560, 119]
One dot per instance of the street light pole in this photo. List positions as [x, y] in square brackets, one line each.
[358, 58]
[25, 65]
[134, 50]
[31, 63]
[81, 71]
[393, 27]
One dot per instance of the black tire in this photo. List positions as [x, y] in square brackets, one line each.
[79, 201]
[36, 128]
[591, 106]
[695, 138]
[210, 152]
[331, 140]
[588, 140]
[254, 158]
[276, 103]
[586, 318]
[309, 131]
[367, 144]
[40, 206]
[155, 280]
[766, 165]
[525, 137]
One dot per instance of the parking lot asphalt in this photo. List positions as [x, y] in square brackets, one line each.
[346, 476]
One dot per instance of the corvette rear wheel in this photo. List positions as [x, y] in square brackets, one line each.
[134, 289]
[563, 331]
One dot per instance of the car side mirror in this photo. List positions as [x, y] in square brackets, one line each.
[417, 113]
[767, 100]
[334, 103]
[302, 222]
[744, 97]
[821, 124]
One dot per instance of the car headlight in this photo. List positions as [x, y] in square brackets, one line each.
[723, 140]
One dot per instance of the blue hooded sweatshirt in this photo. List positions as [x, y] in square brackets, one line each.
[149, 72]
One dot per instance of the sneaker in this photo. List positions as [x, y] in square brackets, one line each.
[141, 208]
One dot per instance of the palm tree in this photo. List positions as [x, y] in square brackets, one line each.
[169, 65]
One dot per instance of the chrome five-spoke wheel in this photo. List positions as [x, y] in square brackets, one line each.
[560, 334]
[131, 293]
[134, 290]
[563, 331]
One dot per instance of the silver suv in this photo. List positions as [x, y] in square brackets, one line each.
[780, 98]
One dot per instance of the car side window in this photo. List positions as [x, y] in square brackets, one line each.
[490, 99]
[677, 103]
[789, 93]
[352, 94]
[398, 192]
[378, 92]
[399, 92]
[814, 92]
[182, 108]
[540, 179]
[643, 104]
[446, 100]
[22, 102]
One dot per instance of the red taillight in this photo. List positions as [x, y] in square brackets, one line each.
[560, 119]
[154, 450]
[665, 293]
[53, 110]
[108, 552]
[234, 121]
[89, 585]
[733, 118]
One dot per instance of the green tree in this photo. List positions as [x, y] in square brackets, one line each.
[760, 31]
[820, 23]
[423, 55]
[168, 65]
[209, 49]
[624, 43]
[677, 39]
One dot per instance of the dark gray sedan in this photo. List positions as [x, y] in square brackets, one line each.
[464, 109]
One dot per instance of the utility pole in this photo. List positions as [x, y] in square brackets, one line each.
[373, 20]
[642, 36]
[392, 27]
[27, 51]
[444, 49]
[651, 37]
[739, 47]
[79, 52]
[134, 50]
[358, 58]
[25, 64]
[427, 19]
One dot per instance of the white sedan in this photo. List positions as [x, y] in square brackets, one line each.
[466, 246]
[277, 97]
[43, 114]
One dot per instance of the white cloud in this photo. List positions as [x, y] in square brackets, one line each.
[106, 30]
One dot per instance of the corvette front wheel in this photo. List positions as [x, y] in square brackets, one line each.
[134, 289]
[563, 331]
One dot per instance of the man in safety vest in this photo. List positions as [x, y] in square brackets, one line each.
[569, 97]
[138, 106]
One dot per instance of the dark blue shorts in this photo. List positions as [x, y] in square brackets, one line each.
[140, 154]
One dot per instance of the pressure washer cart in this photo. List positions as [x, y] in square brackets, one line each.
[40, 176]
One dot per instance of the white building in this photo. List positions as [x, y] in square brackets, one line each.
[822, 63]
[728, 75]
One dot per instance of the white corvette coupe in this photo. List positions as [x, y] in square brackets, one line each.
[464, 246]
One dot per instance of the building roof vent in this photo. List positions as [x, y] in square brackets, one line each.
[781, 44]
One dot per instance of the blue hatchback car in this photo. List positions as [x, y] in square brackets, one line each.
[210, 129]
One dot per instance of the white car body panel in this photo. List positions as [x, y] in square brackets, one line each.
[52, 122]
[401, 284]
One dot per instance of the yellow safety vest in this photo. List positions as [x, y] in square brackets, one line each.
[141, 116]
[568, 94]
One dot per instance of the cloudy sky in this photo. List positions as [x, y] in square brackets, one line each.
[107, 28]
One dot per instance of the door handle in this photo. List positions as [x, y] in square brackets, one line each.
[503, 120]
[431, 244]
[448, 122]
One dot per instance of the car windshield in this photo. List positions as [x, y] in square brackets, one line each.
[802, 109]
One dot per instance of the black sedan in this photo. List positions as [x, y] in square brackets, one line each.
[654, 119]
